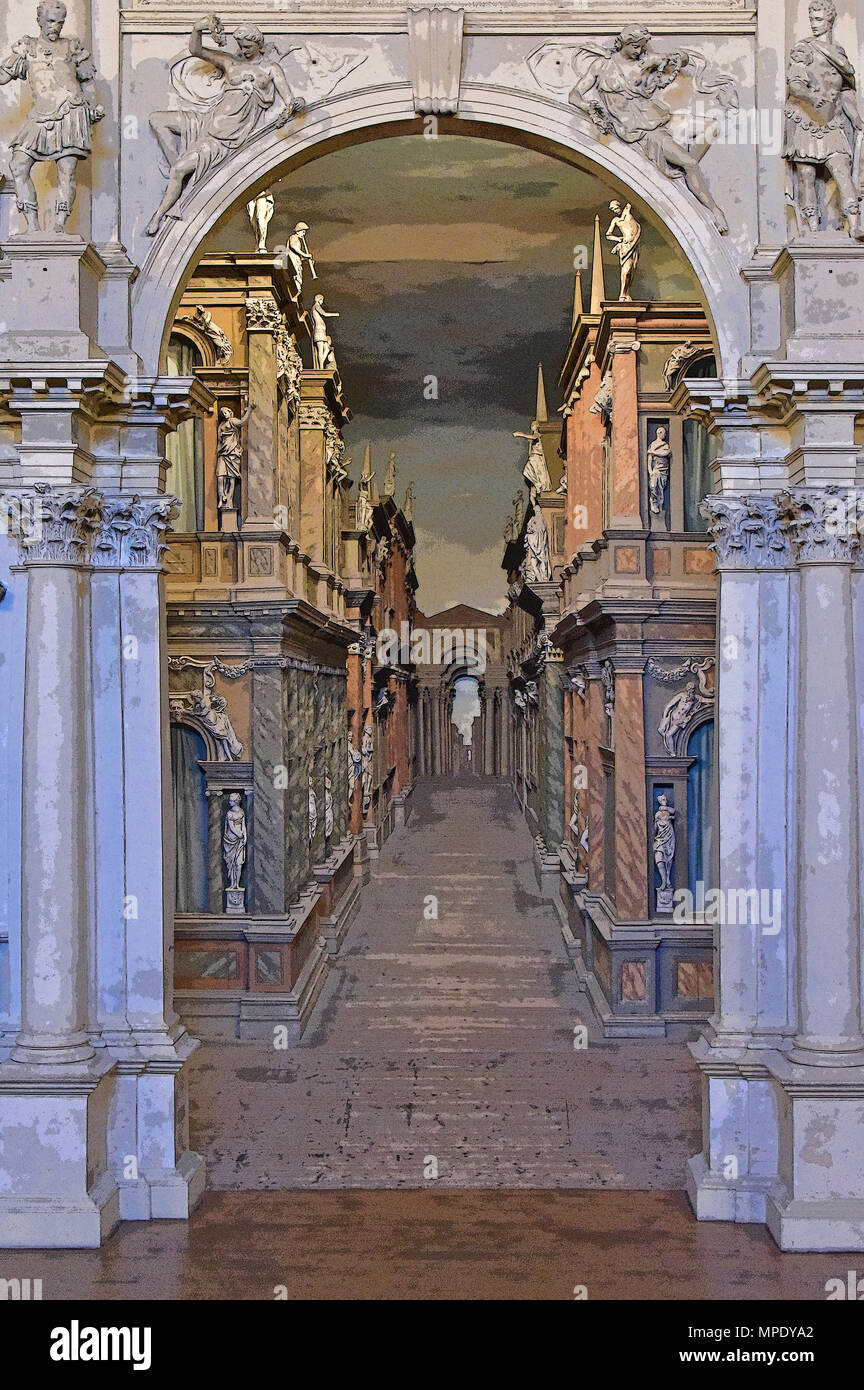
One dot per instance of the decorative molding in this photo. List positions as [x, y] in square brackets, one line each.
[262, 315]
[745, 531]
[202, 319]
[435, 34]
[817, 524]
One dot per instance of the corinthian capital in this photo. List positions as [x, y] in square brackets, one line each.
[746, 532]
[263, 314]
[53, 525]
[133, 530]
[820, 524]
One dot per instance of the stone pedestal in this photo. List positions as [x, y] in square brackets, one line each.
[43, 320]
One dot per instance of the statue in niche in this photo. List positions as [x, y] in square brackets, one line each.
[537, 566]
[823, 124]
[625, 233]
[300, 255]
[60, 74]
[367, 753]
[363, 509]
[212, 710]
[659, 463]
[328, 807]
[260, 212]
[234, 839]
[322, 343]
[355, 767]
[618, 90]
[536, 471]
[313, 810]
[220, 114]
[664, 851]
[678, 713]
[229, 453]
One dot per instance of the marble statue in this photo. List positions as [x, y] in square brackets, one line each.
[664, 851]
[202, 319]
[363, 509]
[355, 767]
[229, 453]
[334, 452]
[58, 127]
[537, 566]
[367, 752]
[219, 113]
[300, 255]
[322, 343]
[212, 711]
[390, 477]
[824, 128]
[313, 810]
[260, 212]
[677, 714]
[328, 807]
[408, 504]
[535, 472]
[234, 839]
[659, 463]
[618, 88]
[625, 233]
[289, 363]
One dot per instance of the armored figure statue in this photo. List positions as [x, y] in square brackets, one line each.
[60, 74]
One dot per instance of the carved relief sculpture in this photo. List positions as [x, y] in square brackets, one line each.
[229, 454]
[618, 90]
[289, 364]
[202, 319]
[260, 212]
[218, 116]
[823, 124]
[60, 75]
[334, 452]
[696, 696]
[212, 710]
[313, 810]
[664, 851]
[328, 807]
[659, 463]
[625, 233]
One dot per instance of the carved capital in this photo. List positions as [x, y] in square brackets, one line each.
[54, 525]
[133, 531]
[818, 524]
[262, 315]
[746, 532]
[313, 416]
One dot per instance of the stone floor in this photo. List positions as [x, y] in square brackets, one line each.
[449, 1040]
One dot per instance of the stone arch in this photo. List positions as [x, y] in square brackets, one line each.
[490, 112]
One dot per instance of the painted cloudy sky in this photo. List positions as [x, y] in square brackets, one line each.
[450, 257]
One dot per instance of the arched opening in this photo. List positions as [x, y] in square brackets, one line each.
[188, 749]
[465, 711]
[184, 447]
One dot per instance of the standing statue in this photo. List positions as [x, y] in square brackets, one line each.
[328, 807]
[367, 748]
[659, 463]
[298, 253]
[212, 710]
[60, 73]
[355, 767]
[390, 477]
[220, 113]
[625, 233]
[260, 211]
[322, 343]
[234, 839]
[363, 509]
[664, 851]
[334, 452]
[824, 128]
[408, 504]
[313, 810]
[536, 471]
[537, 566]
[617, 89]
[229, 454]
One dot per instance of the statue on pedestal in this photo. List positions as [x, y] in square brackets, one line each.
[664, 851]
[60, 74]
[298, 253]
[824, 129]
[260, 211]
[536, 471]
[234, 841]
[229, 454]
[537, 566]
[322, 343]
[625, 233]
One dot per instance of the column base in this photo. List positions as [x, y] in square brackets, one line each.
[800, 1225]
[713, 1198]
[57, 1191]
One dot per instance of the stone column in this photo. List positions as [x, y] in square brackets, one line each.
[55, 1092]
[260, 495]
